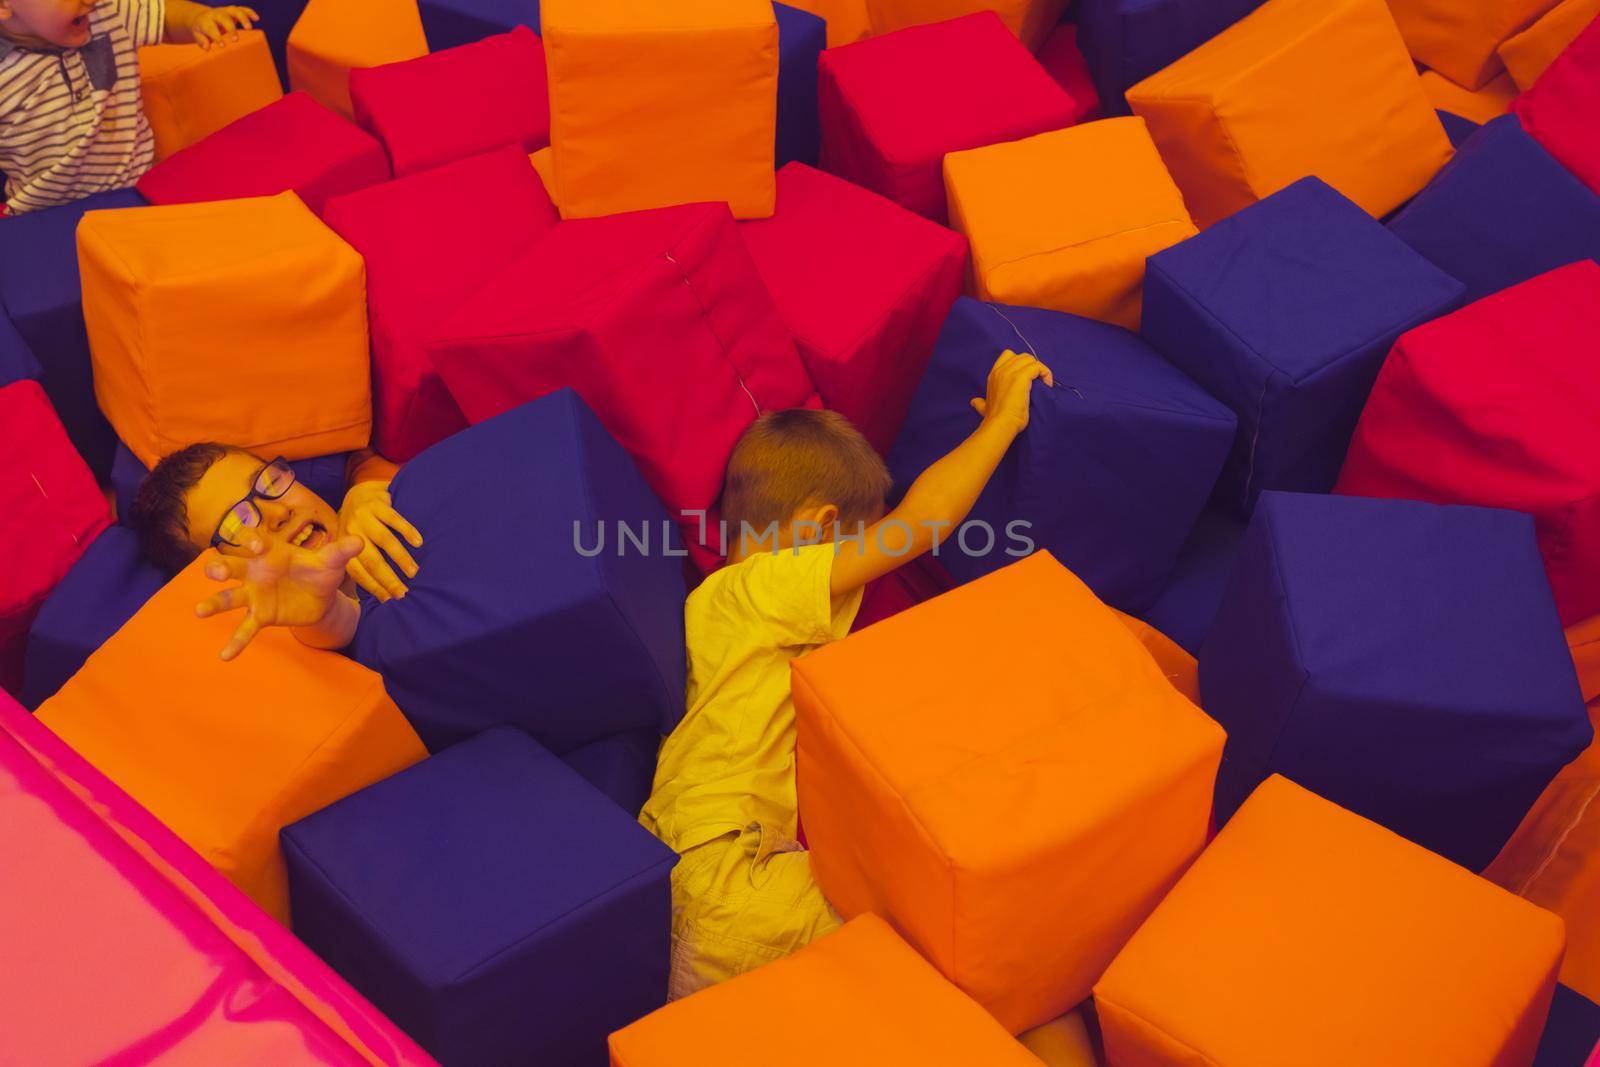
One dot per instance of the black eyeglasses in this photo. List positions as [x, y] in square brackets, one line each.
[272, 481]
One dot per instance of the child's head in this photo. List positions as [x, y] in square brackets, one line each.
[210, 493]
[800, 467]
[54, 23]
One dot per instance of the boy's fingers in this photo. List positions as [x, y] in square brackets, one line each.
[398, 522]
[395, 550]
[980, 406]
[379, 569]
[339, 553]
[242, 636]
[227, 600]
[223, 567]
[358, 571]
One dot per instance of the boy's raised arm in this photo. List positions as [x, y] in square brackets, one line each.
[939, 500]
[286, 586]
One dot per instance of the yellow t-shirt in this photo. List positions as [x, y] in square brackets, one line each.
[730, 762]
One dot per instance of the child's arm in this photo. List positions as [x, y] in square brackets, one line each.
[368, 512]
[939, 500]
[192, 23]
[287, 586]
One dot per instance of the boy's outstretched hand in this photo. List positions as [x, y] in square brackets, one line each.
[278, 586]
[1010, 385]
[189, 22]
[368, 513]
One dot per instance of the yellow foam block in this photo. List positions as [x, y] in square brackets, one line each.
[334, 36]
[241, 321]
[191, 92]
[1064, 220]
[1030, 20]
[1299, 87]
[1458, 38]
[227, 754]
[1528, 53]
[654, 104]
[1479, 105]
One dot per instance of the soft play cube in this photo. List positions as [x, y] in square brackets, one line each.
[42, 295]
[864, 286]
[1006, 775]
[105, 587]
[1562, 112]
[335, 38]
[801, 38]
[228, 753]
[847, 20]
[1494, 405]
[1458, 38]
[1030, 20]
[472, 218]
[1528, 54]
[1402, 659]
[1123, 437]
[1285, 312]
[191, 92]
[50, 510]
[323, 475]
[168, 288]
[678, 109]
[294, 144]
[451, 23]
[1298, 87]
[457, 103]
[1063, 60]
[1187, 605]
[490, 902]
[1307, 935]
[1065, 220]
[1501, 212]
[277, 22]
[17, 360]
[893, 106]
[1478, 105]
[621, 766]
[661, 323]
[1456, 128]
[574, 636]
[867, 998]
[1572, 1031]
[1126, 41]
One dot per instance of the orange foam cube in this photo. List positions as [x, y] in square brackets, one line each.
[1298, 87]
[1308, 935]
[1479, 105]
[191, 92]
[1458, 38]
[653, 105]
[1528, 53]
[226, 754]
[332, 37]
[241, 321]
[859, 997]
[1030, 20]
[1064, 220]
[1006, 775]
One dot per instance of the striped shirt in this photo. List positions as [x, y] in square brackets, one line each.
[71, 120]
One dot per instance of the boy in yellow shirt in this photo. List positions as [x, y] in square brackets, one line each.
[801, 486]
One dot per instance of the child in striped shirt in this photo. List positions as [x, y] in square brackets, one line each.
[71, 119]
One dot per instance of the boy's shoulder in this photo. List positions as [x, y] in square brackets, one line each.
[781, 594]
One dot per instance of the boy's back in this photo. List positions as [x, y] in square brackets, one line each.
[71, 120]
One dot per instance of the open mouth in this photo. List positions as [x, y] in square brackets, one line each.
[310, 535]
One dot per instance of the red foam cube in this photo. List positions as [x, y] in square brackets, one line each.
[1495, 405]
[1063, 60]
[893, 106]
[429, 241]
[457, 103]
[291, 144]
[50, 509]
[1562, 110]
[864, 286]
[658, 319]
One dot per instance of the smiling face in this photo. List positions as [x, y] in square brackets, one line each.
[299, 517]
[56, 23]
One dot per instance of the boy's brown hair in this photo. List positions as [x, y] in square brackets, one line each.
[160, 509]
[789, 459]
